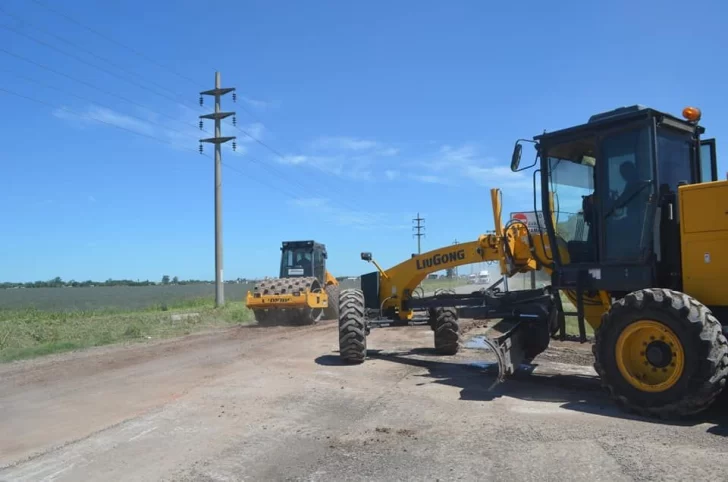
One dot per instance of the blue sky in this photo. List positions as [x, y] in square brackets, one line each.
[422, 100]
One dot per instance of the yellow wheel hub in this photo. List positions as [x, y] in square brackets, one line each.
[650, 356]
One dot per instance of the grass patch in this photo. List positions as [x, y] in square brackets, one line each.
[30, 333]
[430, 285]
[572, 322]
[572, 327]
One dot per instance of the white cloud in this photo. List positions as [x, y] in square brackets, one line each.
[388, 152]
[343, 143]
[348, 157]
[468, 165]
[294, 160]
[91, 199]
[180, 130]
[313, 202]
[94, 114]
[432, 179]
[255, 129]
[352, 219]
[342, 166]
[259, 104]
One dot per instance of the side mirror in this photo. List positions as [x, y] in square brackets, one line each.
[516, 157]
[366, 256]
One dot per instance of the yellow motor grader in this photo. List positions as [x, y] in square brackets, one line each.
[634, 234]
[304, 293]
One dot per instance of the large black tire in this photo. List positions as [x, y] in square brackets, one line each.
[447, 330]
[352, 326]
[699, 347]
[332, 312]
[263, 317]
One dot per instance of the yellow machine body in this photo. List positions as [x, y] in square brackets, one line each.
[294, 300]
[704, 241]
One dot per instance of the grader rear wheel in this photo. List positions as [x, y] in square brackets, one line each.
[661, 353]
[332, 312]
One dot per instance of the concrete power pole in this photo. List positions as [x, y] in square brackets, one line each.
[453, 272]
[218, 140]
[419, 228]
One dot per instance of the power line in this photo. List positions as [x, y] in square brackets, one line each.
[133, 82]
[106, 37]
[83, 61]
[245, 174]
[88, 84]
[253, 116]
[243, 131]
[86, 99]
[80, 114]
[102, 69]
[85, 50]
[246, 133]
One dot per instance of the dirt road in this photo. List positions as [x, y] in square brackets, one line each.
[275, 404]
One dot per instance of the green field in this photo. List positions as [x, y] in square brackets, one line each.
[32, 332]
[117, 298]
[40, 321]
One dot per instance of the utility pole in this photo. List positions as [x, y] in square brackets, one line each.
[419, 228]
[453, 272]
[218, 140]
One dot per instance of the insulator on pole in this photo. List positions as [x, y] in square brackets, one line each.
[201, 102]
[235, 97]
[235, 121]
[235, 146]
[201, 124]
[200, 148]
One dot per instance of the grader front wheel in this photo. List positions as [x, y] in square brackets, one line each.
[661, 353]
[352, 326]
[444, 322]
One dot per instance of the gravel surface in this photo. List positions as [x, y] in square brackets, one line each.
[275, 404]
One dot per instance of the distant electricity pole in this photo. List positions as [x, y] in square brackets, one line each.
[419, 228]
[218, 140]
[453, 272]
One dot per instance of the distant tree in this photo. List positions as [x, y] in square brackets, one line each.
[175, 280]
[165, 279]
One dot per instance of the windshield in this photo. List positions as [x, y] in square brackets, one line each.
[297, 262]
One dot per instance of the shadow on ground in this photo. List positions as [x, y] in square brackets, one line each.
[580, 393]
